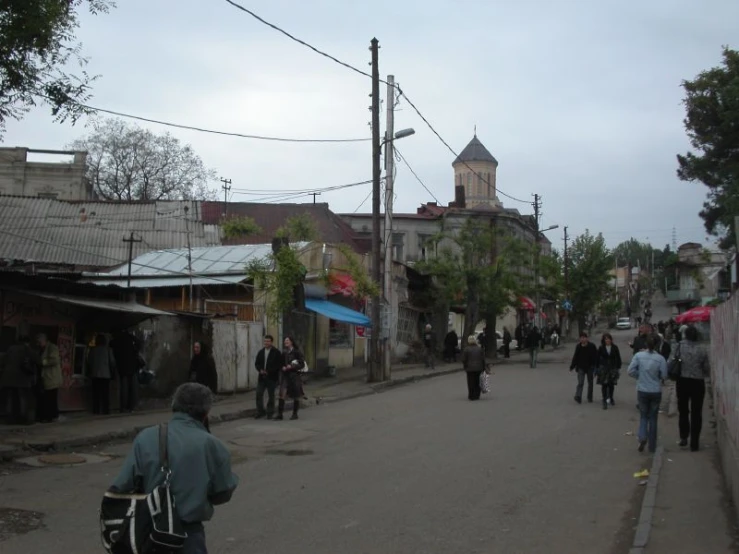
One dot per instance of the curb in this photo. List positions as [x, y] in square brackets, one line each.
[644, 527]
[67, 444]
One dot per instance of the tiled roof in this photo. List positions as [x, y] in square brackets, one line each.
[85, 234]
[475, 151]
[331, 228]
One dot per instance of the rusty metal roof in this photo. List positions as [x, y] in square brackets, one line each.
[84, 234]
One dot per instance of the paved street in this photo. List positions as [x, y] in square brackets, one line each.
[415, 469]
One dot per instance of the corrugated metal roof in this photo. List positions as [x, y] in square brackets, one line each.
[157, 282]
[100, 304]
[74, 233]
[207, 261]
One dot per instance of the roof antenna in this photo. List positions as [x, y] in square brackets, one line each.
[475, 130]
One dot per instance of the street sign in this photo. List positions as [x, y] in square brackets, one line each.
[362, 332]
[567, 305]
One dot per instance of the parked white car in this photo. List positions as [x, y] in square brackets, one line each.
[623, 323]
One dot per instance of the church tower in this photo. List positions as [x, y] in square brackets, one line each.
[475, 169]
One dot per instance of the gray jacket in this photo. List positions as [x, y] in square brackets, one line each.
[200, 465]
[695, 363]
[101, 363]
[473, 358]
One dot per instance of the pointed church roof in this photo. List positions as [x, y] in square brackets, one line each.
[475, 151]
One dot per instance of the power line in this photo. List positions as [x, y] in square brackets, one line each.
[363, 202]
[415, 174]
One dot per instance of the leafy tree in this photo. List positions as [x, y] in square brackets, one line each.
[235, 227]
[126, 162]
[589, 266]
[301, 227]
[712, 124]
[37, 46]
[466, 272]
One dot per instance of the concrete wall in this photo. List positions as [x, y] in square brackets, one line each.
[61, 180]
[725, 385]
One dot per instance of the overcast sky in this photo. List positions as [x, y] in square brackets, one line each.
[580, 101]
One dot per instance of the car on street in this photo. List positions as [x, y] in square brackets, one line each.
[623, 323]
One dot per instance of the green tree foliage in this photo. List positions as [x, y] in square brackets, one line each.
[466, 273]
[589, 266]
[37, 48]
[236, 227]
[364, 286]
[278, 275]
[301, 227]
[126, 162]
[712, 125]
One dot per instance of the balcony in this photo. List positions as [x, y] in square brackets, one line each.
[683, 296]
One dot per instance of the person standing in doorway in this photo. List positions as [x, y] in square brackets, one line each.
[584, 360]
[51, 380]
[128, 361]
[609, 364]
[290, 384]
[506, 342]
[18, 371]
[101, 369]
[649, 368]
[269, 364]
[451, 343]
[533, 341]
[429, 346]
[203, 367]
[691, 387]
[473, 362]
[519, 337]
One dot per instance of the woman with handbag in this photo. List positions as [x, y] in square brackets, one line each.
[290, 383]
[609, 364]
[690, 365]
[473, 361]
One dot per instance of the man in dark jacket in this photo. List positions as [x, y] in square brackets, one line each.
[128, 361]
[269, 363]
[585, 360]
[451, 343]
[17, 379]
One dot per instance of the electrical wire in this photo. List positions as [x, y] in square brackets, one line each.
[415, 174]
[363, 202]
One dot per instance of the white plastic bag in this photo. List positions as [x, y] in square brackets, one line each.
[484, 385]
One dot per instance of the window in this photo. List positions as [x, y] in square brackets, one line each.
[339, 334]
[469, 178]
[424, 249]
[398, 247]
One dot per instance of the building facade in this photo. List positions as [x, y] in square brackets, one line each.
[60, 180]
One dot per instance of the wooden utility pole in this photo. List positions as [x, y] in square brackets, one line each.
[537, 255]
[226, 189]
[375, 369]
[314, 194]
[130, 240]
[189, 253]
[567, 286]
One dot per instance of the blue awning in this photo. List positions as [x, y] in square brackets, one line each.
[337, 312]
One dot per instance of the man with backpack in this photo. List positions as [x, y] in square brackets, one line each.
[199, 468]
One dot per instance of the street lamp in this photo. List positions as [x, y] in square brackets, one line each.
[537, 300]
[387, 278]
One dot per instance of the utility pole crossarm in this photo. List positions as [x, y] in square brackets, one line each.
[130, 240]
[226, 189]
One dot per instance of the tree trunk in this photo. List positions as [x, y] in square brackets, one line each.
[491, 341]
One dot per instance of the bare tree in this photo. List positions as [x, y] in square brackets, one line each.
[126, 162]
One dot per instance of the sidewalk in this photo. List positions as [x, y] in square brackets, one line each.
[692, 511]
[84, 430]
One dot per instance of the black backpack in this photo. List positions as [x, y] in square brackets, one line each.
[138, 523]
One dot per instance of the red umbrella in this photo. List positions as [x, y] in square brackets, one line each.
[695, 315]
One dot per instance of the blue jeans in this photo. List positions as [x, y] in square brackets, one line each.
[649, 409]
[195, 543]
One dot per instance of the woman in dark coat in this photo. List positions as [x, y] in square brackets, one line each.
[473, 361]
[290, 382]
[450, 346]
[609, 364]
[203, 367]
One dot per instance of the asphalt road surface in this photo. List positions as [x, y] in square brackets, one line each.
[416, 469]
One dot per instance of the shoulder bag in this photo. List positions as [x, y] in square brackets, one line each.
[675, 366]
[137, 523]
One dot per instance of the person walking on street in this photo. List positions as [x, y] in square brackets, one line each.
[649, 368]
[101, 369]
[519, 337]
[290, 383]
[506, 342]
[691, 387]
[269, 364]
[584, 360]
[200, 464]
[128, 361]
[429, 346]
[533, 340]
[51, 380]
[451, 343]
[18, 371]
[203, 367]
[473, 362]
[609, 364]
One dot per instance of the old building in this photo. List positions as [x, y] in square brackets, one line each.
[63, 180]
[702, 275]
